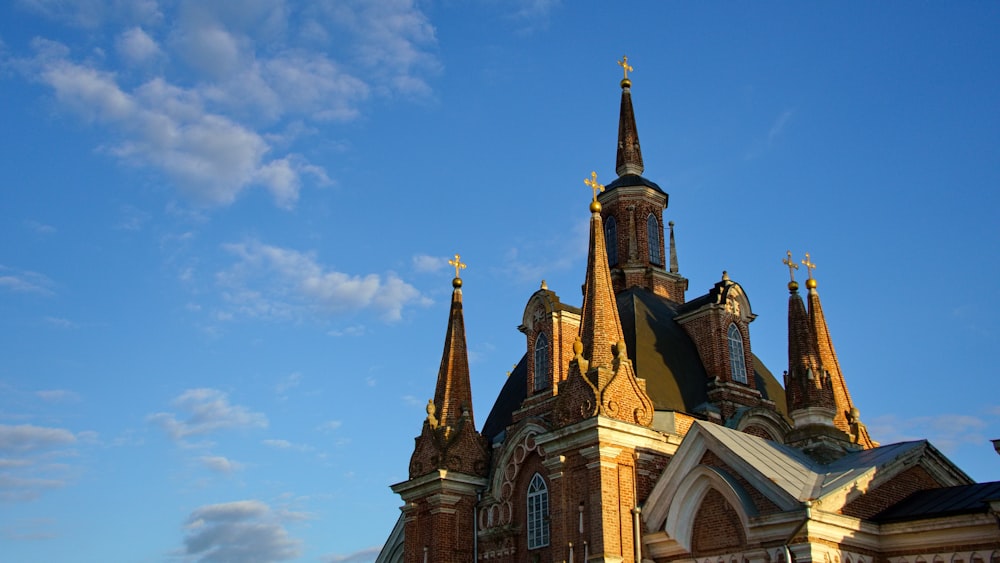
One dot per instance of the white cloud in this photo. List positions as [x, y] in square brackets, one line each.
[206, 410]
[239, 531]
[237, 71]
[424, 263]
[27, 437]
[220, 464]
[59, 322]
[39, 228]
[273, 282]
[330, 425]
[58, 396]
[25, 467]
[24, 281]
[137, 47]
[290, 381]
[286, 445]
[946, 431]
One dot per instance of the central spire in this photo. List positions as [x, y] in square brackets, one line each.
[629, 159]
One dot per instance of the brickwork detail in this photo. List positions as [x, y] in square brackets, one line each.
[899, 487]
[717, 526]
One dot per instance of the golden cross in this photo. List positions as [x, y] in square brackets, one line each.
[457, 264]
[809, 265]
[792, 266]
[625, 66]
[592, 182]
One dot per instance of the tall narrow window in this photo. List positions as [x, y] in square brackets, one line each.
[541, 362]
[736, 362]
[538, 513]
[611, 240]
[653, 236]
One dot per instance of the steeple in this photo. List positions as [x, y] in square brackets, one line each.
[810, 385]
[847, 417]
[453, 394]
[448, 466]
[632, 212]
[629, 159]
[450, 426]
[601, 379]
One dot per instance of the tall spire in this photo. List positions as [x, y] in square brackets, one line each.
[449, 439]
[601, 380]
[847, 417]
[453, 394]
[629, 159]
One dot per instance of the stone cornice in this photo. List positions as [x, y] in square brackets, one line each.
[439, 482]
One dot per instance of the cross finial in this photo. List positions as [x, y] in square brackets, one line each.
[592, 182]
[457, 263]
[792, 266]
[809, 265]
[625, 66]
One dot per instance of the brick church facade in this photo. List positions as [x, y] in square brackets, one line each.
[640, 426]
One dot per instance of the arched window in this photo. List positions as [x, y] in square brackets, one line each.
[541, 362]
[611, 240]
[736, 362]
[653, 236]
[538, 513]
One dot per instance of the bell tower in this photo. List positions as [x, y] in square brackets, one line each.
[632, 216]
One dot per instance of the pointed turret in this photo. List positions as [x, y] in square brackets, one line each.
[450, 429]
[448, 466]
[629, 159]
[602, 380]
[847, 417]
[453, 394]
[673, 250]
[809, 383]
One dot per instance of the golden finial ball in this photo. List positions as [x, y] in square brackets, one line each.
[793, 286]
[626, 83]
[456, 283]
[811, 283]
[595, 206]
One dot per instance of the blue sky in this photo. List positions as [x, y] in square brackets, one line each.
[224, 233]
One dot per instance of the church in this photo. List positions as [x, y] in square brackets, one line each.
[639, 426]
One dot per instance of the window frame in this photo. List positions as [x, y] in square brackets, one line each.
[653, 239]
[611, 240]
[537, 511]
[541, 372]
[737, 354]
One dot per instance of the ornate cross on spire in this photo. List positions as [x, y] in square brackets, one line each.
[457, 263]
[625, 66]
[592, 182]
[792, 266]
[809, 265]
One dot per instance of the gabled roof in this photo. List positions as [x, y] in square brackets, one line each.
[785, 475]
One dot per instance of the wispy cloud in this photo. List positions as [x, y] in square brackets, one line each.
[26, 469]
[946, 431]
[204, 411]
[40, 228]
[424, 263]
[220, 464]
[25, 281]
[207, 98]
[58, 396]
[279, 444]
[246, 530]
[274, 282]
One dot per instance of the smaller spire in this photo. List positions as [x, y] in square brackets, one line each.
[453, 393]
[673, 250]
[629, 159]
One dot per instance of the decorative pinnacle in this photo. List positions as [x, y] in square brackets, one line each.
[627, 68]
[457, 263]
[792, 266]
[811, 282]
[592, 182]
